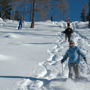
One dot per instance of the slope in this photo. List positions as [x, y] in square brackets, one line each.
[50, 72]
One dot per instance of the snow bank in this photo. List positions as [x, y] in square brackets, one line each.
[81, 25]
[49, 74]
[1, 20]
[28, 53]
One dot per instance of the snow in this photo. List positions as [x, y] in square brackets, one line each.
[30, 58]
[81, 25]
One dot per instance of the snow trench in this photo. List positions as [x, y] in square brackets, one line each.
[51, 74]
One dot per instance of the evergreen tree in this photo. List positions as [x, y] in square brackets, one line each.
[5, 9]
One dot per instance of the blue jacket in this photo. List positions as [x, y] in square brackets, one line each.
[20, 21]
[73, 54]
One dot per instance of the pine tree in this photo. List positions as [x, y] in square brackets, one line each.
[5, 9]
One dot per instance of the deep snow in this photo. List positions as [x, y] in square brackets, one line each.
[30, 58]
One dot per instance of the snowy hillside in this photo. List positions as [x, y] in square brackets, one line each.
[30, 58]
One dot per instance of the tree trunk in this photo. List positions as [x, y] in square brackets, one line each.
[33, 14]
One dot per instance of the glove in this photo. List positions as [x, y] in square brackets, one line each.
[62, 61]
[63, 31]
[85, 60]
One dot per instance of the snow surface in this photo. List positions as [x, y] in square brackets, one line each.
[30, 58]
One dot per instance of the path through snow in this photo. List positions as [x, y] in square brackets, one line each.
[51, 69]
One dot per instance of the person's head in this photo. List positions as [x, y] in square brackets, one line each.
[68, 24]
[71, 43]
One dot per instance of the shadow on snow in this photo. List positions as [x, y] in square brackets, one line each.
[45, 81]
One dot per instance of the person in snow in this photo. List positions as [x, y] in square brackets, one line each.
[73, 54]
[68, 32]
[20, 23]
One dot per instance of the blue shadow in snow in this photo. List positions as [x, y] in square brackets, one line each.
[45, 81]
[41, 43]
[30, 33]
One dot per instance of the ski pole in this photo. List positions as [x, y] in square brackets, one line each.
[62, 69]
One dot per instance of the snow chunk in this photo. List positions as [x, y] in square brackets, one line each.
[10, 35]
